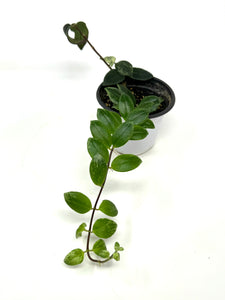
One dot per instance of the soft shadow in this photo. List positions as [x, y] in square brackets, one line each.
[68, 216]
[70, 69]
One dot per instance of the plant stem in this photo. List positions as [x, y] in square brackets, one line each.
[93, 213]
[93, 48]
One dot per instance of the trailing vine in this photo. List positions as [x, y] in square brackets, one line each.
[109, 131]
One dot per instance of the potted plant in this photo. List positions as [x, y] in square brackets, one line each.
[129, 97]
[124, 79]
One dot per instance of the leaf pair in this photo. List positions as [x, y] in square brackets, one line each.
[82, 204]
[125, 69]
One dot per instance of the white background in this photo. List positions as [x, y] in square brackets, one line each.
[171, 209]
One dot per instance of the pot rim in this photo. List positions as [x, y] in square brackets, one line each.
[145, 85]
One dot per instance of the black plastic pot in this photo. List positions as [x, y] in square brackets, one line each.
[153, 86]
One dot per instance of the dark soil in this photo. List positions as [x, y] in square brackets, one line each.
[138, 92]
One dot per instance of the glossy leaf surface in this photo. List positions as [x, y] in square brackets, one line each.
[139, 133]
[108, 208]
[113, 77]
[104, 228]
[125, 162]
[124, 68]
[140, 74]
[100, 132]
[122, 134]
[114, 95]
[78, 202]
[96, 147]
[138, 116]
[98, 169]
[80, 32]
[110, 119]
[148, 124]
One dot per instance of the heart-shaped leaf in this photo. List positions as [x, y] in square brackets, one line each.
[125, 162]
[140, 74]
[110, 60]
[116, 256]
[104, 228]
[122, 134]
[78, 202]
[75, 257]
[108, 208]
[124, 68]
[98, 169]
[113, 77]
[80, 33]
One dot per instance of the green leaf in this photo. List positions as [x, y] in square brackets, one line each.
[100, 132]
[148, 124]
[126, 105]
[125, 90]
[96, 147]
[75, 257]
[125, 162]
[116, 256]
[122, 134]
[138, 116]
[117, 247]
[80, 229]
[112, 77]
[78, 202]
[98, 169]
[80, 34]
[139, 133]
[104, 228]
[100, 249]
[108, 208]
[110, 119]
[140, 74]
[114, 95]
[151, 103]
[110, 60]
[124, 68]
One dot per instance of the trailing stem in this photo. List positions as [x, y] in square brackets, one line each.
[93, 48]
[93, 213]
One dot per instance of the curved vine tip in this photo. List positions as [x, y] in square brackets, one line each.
[80, 31]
